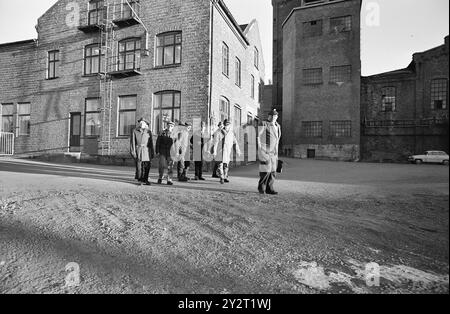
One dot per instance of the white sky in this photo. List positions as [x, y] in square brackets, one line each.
[406, 27]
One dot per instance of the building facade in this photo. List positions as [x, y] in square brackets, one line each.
[405, 112]
[97, 66]
[322, 80]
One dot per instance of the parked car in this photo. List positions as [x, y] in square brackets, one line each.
[437, 157]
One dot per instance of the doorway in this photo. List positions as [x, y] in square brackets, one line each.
[75, 132]
[311, 153]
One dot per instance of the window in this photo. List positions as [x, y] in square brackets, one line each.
[126, 9]
[24, 115]
[225, 60]
[256, 122]
[167, 108]
[312, 76]
[312, 128]
[249, 119]
[92, 118]
[238, 72]
[341, 128]
[168, 49]
[130, 54]
[252, 87]
[224, 109]
[127, 115]
[237, 120]
[388, 99]
[96, 12]
[92, 59]
[341, 74]
[312, 29]
[256, 58]
[53, 59]
[7, 113]
[439, 94]
[340, 24]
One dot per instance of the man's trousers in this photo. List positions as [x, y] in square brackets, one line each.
[166, 163]
[266, 182]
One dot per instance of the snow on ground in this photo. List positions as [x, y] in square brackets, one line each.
[330, 221]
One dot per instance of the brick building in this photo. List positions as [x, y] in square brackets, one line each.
[321, 80]
[406, 111]
[97, 66]
[331, 112]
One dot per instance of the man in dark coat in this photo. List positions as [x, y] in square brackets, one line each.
[141, 148]
[198, 142]
[163, 149]
[269, 135]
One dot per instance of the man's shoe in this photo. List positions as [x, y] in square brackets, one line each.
[202, 179]
[159, 181]
[183, 179]
[226, 181]
[272, 193]
[196, 179]
[147, 183]
[170, 183]
[261, 191]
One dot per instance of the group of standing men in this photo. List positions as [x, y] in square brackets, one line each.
[173, 148]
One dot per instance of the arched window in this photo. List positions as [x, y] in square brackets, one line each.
[166, 108]
[168, 49]
[129, 54]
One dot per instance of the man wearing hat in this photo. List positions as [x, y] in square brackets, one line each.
[141, 148]
[183, 144]
[216, 163]
[223, 144]
[163, 148]
[269, 135]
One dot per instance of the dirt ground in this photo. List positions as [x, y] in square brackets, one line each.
[329, 222]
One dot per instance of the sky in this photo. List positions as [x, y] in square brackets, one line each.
[391, 30]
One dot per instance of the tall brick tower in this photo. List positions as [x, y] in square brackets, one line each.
[321, 79]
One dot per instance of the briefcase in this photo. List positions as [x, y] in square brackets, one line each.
[280, 166]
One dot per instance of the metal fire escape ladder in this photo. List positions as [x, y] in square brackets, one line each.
[107, 46]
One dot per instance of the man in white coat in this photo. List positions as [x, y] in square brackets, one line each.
[224, 142]
[269, 135]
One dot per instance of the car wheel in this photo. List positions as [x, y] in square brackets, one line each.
[445, 162]
[419, 162]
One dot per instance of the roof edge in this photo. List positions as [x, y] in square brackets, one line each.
[233, 20]
[16, 43]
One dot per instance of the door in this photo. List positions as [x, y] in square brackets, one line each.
[311, 153]
[75, 132]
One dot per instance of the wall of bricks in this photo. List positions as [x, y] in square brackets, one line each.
[24, 78]
[324, 102]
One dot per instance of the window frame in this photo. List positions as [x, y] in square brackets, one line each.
[161, 108]
[334, 76]
[310, 80]
[252, 86]
[11, 116]
[52, 62]
[309, 129]
[311, 34]
[238, 72]
[347, 129]
[21, 115]
[225, 60]
[137, 52]
[435, 94]
[224, 114]
[345, 24]
[89, 59]
[384, 96]
[99, 10]
[256, 57]
[120, 111]
[163, 47]
[87, 113]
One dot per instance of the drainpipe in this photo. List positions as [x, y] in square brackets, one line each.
[211, 48]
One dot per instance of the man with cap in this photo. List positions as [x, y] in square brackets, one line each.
[269, 135]
[183, 143]
[223, 144]
[163, 148]
[141, 148]
[216, 163]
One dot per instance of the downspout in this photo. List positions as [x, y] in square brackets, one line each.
[211, 48]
